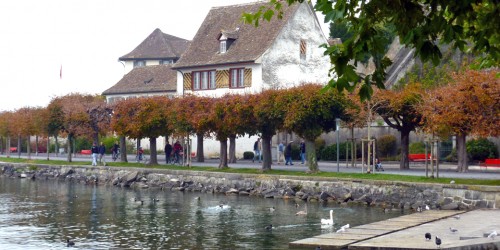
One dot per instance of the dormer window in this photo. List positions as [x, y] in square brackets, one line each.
[226, 38]
[223, 48]
[139, 64]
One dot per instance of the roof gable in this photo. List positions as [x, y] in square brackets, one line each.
[158, 45]
[249, 43]
[157, 78]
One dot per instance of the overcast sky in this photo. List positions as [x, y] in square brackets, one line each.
[86, 38]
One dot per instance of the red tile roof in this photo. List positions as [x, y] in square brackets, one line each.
[149, 79]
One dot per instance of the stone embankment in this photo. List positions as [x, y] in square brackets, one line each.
[387, 194]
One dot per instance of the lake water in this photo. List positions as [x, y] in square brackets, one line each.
[43, 214]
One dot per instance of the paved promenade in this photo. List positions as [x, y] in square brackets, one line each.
[446, 170]
[408, 232]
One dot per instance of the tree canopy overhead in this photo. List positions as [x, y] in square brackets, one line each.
[420, 24]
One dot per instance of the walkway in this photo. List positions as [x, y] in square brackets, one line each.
[416, 169]
[407, 232]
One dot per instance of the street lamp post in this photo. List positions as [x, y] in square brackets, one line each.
[337, 125]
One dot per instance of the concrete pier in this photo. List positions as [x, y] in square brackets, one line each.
[407, 232]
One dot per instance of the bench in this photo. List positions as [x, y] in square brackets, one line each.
[490, 163]
[86, 152]
[418, 157]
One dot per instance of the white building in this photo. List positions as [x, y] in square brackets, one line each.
[228, 56]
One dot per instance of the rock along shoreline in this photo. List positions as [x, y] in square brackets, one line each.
[385, 194]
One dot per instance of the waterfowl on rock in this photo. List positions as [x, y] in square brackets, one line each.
[69, 243]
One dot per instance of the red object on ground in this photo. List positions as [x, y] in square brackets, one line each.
[418, 157]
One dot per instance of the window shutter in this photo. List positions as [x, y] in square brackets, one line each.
[248, 78]
[222, 79]
[187, 81]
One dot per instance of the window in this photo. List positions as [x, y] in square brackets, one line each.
[223, 46]
[139, 64]
[237, 78]
[170, 61]
[196, 80]
[203, 79]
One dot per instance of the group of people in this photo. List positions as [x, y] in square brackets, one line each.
[284, 152]
[98, 152]
[176, 149]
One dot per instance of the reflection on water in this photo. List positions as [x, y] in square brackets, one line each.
[43, 214]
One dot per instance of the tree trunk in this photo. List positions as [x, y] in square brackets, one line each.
[312, 160]
[267, 159]
[48, 148]
[232, 149]
[200, 155]
[153, 159]
[1, 144]
[70, 139]
[405, 148]
[223, 154]
[95, 136]
[57, 145]
[28, 147]
[36, 145]
[19, 146]
[123, 149]
[462, 153]
[8, 147]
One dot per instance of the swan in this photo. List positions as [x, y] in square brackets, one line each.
[328, 221]
[271, 209]
[302, 212]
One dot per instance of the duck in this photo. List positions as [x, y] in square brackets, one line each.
[328, 221]
[272, 209]
[428, 236]
[302, 212]
[269, 227]
[69, 243]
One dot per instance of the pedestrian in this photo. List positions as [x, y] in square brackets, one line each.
[302, 147]
[102, 151]
[168, 152]
[281, 151]
[288, 153]
[177, 152]
[95, 151]
[256, 149]
[115, 150]
[378, 165]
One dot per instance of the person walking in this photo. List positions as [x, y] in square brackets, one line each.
[102, 151]
[302, 147]
[168, 152]
[177, 152]
[256, 149]
[281, 151]
[95, 151]
[115, 150]
[288, 153]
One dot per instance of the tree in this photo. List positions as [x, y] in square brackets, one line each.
[70, 113]
[100, 117]
[190, 114]
[420, 24]
[467, 105]
[268, 116]
[311, 112]
[143, 117]
[6, 129]
[400, 109]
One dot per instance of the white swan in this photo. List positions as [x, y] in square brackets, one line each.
[328, 221]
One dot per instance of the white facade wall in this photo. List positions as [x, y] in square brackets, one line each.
[282, 64]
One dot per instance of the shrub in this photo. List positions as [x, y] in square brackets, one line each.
[248, 155]
[386, 145]
[417, 148]
[329, 153]
[480, 149]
